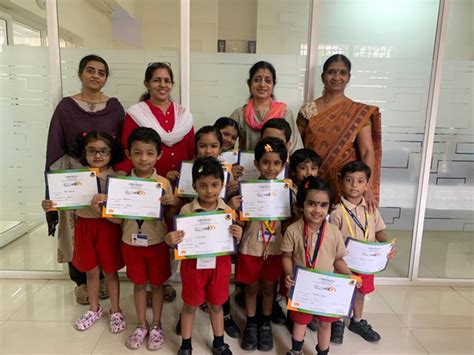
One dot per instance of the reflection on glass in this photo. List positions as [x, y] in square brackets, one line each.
[3, 32]
[26, 36]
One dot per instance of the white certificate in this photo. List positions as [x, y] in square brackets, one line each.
[230, 157]
[265, 199]
[322, 293]
[72, 189]
[184, 186]
[250, 172]
[133, 198]
[205, 234]
[367, 258]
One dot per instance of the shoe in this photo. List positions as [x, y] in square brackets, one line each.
[265, 337]
[365, 330]
[81, 295]
[294, 352]
[116, 322]
[178, 326]
[185, 352]
[156, 338]
[136, 339]
[88, 318]
[230, 327]
[313, 325]
[170, 293]
[249, 340]
[337, 332]
[222, 350]
[103, 290]
[278, 316]
[204, 307]
[321, 352]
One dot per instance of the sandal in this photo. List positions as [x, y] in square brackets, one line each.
[170, 293]
[89, 318]
[156, 338]
[204, 307]
[103, 289]
[116, 322]
[135, 340]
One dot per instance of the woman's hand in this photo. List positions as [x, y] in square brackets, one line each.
[236, 231]
[174, 237]
[370, 201]
[47, 205]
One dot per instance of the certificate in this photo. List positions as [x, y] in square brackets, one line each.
[367, 258]
[265, 200]
[230, 157]
[72, 189]
[184, 186]
[322, 293]
[250, 172]
[206, 234]
[133, 198]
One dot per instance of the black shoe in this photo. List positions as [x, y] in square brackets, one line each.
[265, 337]
[321, 352]
[249, 340]
[365, 330]
[222, 350]
[185, 352]
[312, 325]
[337, 332]
[178, 326]
[230, 327]
[294, 352]
[278, 317]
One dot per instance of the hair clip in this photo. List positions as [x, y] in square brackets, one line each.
[84, 134]
[201, 168]
[268, 148]
[306, 185]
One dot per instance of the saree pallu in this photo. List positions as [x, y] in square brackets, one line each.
[333, 133]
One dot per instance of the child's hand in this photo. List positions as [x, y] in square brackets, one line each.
[235, 202]
[47, 205]
[170, 200]
[173, 238]
[289, 282]
[392, 253]
[237, 170]
[233, 187]
[97, 202]
[172, 176]
[236, 232]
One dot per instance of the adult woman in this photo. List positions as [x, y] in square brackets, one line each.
[341, 130]
[261, 107]
[89, 110]
[174, 124]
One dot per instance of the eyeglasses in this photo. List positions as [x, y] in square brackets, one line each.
[157, 64]
[93, 152]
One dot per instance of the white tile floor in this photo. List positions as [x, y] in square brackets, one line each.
[36, 317]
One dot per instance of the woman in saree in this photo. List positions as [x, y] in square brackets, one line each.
[341, 130]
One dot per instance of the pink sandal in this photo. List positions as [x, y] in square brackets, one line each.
[156, 338]
[116, 322]
[88, 318]
[136, 339]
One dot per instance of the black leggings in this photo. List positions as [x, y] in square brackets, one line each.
[79, 277]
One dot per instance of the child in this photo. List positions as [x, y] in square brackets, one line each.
[277, 128]
[352, 219]
[205, 285]
[97, 241]
[315, 196]
[303, 163]
[229, 130]
[261, 238]
[149, 262]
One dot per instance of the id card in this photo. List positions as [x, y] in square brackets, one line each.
[139, 240]
[206, 263]
[267, 235]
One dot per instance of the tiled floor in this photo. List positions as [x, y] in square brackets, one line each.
[36, 317]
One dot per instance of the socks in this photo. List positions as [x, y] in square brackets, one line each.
[226, 307]
[186, 344]
[296, 345]
[321, 352]
[218, 341]
[357, 320]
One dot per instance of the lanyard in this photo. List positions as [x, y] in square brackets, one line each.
[271, 231]
[140, 224]
[365, 229]
[311, 261]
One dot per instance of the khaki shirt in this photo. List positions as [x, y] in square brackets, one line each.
[332, 247]
[250, 244]
[89, 212]
[155, 229]
[194, 206]
[375, 222]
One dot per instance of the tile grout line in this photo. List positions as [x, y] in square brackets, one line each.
[26, 301]
[460, 294]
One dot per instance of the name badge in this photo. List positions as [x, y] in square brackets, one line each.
[267, 235]
[139, 240]
[206, 263]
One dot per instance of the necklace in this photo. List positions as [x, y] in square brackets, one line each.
[91, 104]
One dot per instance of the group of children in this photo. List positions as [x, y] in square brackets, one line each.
[268, 251]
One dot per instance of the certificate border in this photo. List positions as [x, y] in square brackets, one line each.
[66, 171]
[144, 218]
[256, 181]
[292, 290]
[197, 256]
[369, 243]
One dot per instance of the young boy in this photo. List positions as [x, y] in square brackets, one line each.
[205, 285]
[277, 128]
[261, 238]
[303, 163]
[147, 257]
[353, 220]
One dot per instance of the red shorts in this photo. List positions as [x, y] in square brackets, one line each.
[305, 318]
[147, 264]
[97, 243]
[200, 285]
[251, 269]
[367, 284]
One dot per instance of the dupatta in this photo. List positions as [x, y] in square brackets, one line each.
[277, 110]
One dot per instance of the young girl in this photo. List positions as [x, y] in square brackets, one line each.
[97, 241]
[314, 243]
[229, 130]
